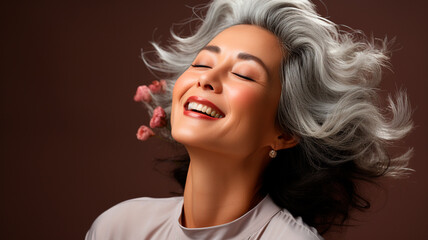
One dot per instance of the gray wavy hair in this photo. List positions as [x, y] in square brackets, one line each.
[329, 77]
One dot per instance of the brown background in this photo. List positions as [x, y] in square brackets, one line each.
[68, 74]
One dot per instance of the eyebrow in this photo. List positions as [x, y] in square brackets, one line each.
[212, 48]
[246, 56]
[242, 55]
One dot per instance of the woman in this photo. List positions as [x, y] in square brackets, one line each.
[278, 112]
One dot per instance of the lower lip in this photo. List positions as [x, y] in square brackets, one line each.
[198, 115]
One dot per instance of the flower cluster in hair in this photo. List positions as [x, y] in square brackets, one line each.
[145, 94]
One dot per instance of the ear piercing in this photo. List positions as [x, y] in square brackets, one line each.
[272, 153]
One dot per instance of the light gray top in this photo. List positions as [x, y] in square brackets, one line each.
[158, 218]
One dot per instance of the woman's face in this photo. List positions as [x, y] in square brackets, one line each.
[237, 76]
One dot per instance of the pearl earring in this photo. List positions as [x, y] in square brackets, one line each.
[272, 153]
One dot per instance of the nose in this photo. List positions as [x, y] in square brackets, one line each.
[210, 81]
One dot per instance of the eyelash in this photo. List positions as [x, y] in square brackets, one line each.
[205, 66]
[244, 77]
[200, 66]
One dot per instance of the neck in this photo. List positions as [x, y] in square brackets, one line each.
[220, 188]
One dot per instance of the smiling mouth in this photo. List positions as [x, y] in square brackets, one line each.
[199, 107]
[203, 109]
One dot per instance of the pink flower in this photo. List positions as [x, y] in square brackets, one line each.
[158, 118]
[144, 133]
[158, 86]
[163, 85]
[143, 94]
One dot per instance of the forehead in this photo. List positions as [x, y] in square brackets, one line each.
[253, 40]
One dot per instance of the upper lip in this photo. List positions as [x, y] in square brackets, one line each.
[205, 102]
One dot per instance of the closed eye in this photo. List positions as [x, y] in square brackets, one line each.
[200, 66]
[244, 77]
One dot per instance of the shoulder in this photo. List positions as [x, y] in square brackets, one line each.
[133, 217]
[140, 208]
[284, 226]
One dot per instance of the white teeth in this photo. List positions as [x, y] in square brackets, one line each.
[191, 106]
[199, 108]
[204, 109]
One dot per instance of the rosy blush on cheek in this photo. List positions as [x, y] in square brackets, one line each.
[254, 106]
[246, 98]
[183, 83]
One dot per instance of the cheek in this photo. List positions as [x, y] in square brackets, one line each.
[254, 109]
[182, 84]
[251, 101]
[253, 119]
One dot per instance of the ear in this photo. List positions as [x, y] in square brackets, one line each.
[285, 141]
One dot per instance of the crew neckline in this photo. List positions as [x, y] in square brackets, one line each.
[240, 228]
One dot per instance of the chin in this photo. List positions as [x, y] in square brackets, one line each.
[186, 136]
[194, 139]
